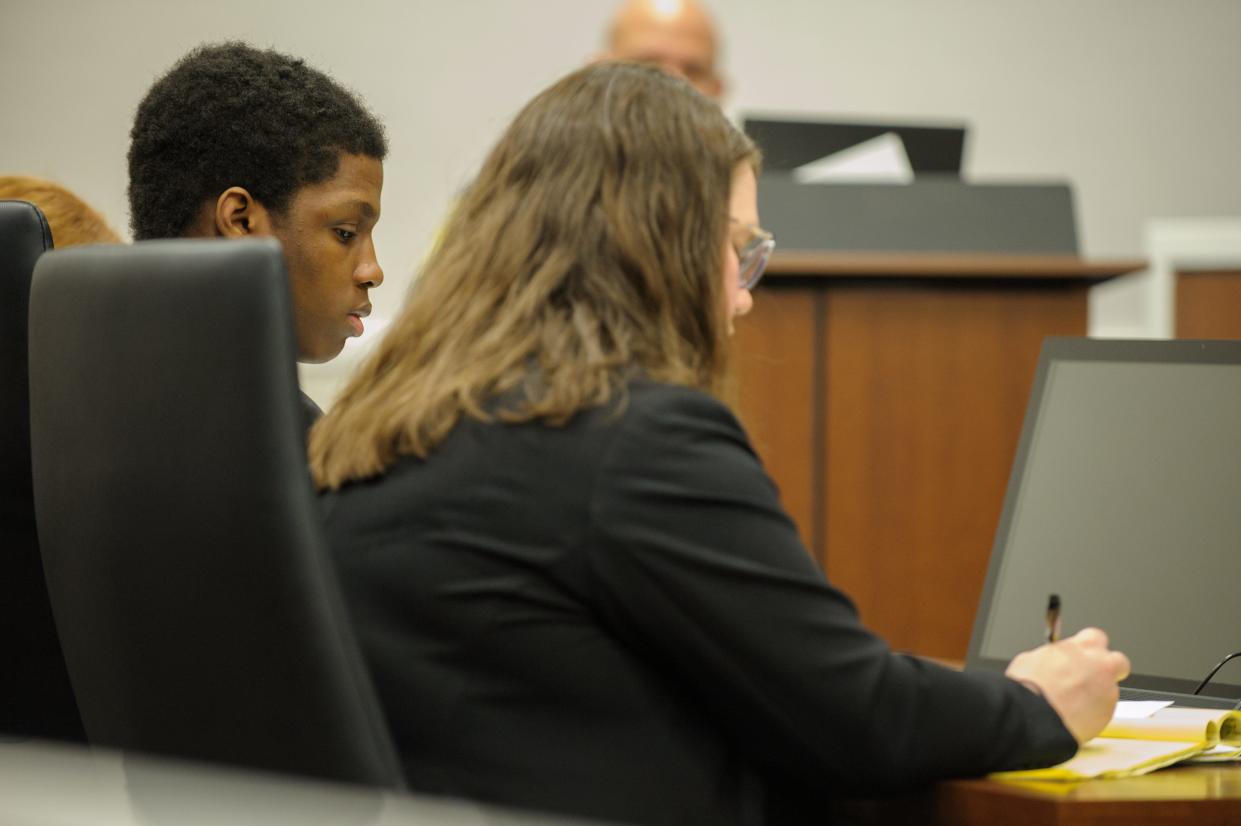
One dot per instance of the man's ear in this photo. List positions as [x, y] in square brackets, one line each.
[238, 215]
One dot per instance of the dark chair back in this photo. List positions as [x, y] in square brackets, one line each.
[198, 608]
[35, 697]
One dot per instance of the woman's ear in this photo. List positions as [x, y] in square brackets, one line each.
[238, 215]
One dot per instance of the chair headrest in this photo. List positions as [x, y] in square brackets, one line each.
[24, 236]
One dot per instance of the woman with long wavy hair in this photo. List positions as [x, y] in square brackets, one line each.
[573, 582]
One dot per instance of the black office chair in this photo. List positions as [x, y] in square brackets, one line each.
[35, 697]
[198, 610]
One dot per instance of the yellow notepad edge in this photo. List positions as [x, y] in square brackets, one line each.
[1064, 772]
[1187, 733]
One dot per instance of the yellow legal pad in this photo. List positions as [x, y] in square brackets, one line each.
[1129, 747]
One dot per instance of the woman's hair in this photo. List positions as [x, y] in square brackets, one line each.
[588, 249]
[70, 219]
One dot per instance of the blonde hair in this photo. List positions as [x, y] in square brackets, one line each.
[588, 249]
[71, 220]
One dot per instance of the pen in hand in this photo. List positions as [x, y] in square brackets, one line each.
[1053, 618]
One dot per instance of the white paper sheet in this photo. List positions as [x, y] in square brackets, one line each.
[878, 160]
[1138, 709]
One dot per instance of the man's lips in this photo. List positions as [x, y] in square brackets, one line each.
[355, 319]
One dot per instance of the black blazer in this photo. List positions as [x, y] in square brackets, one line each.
[616, 618]
[309, 410]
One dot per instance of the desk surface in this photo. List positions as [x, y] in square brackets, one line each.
[1198, 795]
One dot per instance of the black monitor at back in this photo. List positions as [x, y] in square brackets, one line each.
[1125, 499]
[787, 144]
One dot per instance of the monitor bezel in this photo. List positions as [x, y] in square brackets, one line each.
[935, 147]
[1062, 349]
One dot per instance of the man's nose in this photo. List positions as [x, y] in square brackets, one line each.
[369, 273]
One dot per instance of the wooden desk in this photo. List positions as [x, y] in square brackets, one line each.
[885, 394]
[1208, 304]
[1197, 796]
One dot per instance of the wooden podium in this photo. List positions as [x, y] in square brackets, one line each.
[885, 394]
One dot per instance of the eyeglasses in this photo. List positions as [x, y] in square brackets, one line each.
[753, 255]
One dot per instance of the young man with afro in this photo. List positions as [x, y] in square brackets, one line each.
[236, 142]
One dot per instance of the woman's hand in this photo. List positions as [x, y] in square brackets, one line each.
[1078, 676]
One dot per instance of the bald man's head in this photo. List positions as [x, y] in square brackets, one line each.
[676, 35]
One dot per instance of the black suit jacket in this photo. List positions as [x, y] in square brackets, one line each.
[309, 410]
[616, 618]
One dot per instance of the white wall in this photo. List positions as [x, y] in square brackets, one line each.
[1134, 101]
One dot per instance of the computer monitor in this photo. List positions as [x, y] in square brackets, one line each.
[1125, 500]
[788, 144]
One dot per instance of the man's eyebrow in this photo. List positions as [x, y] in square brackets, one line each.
[365, 207]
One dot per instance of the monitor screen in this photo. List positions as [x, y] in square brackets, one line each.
[1125, 500]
